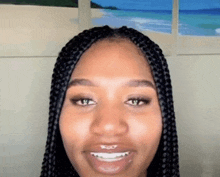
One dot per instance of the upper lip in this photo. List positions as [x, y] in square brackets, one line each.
[119, 148]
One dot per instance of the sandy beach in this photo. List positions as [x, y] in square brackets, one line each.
[25, 28]
[25, 16]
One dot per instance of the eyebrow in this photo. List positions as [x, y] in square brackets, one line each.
[131, 83]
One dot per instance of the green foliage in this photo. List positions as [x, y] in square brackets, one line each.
[111, 7]
[94, 5]
[60, 3]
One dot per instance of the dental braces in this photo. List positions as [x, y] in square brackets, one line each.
[108, 147]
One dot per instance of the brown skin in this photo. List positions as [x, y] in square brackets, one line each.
[112, 115]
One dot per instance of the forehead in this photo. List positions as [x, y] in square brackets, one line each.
[113, 57]
[117, 43]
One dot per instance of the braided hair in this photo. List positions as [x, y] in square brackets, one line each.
[166, 160]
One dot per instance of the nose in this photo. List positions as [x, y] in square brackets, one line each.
[109, 121]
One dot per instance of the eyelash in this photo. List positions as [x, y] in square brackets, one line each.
[145, 101]
[75, 100]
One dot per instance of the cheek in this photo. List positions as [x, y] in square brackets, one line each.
[73, 129]
[146, 129]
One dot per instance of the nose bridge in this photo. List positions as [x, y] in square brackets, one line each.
[109, 120]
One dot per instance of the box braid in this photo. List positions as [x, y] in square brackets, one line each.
[166, 160]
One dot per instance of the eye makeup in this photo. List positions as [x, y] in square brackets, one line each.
[85, 100]
[82, 99]
[138, 101]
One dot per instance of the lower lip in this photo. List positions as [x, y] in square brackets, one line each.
[110, 168]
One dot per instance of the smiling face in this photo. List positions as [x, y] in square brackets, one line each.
[111, 121]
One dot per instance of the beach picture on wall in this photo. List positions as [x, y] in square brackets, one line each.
[138, 14]
[197, 17]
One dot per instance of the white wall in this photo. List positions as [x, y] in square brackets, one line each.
[196, 85]
[31, 38]
[25, 84]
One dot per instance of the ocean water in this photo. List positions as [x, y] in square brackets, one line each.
[199, 23]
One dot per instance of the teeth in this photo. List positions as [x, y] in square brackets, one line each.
[108, 147]
[110, 157]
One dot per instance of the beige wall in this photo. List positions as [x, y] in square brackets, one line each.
[196, 85]
[30, 42]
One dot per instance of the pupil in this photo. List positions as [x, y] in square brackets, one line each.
[135, 102]
[85, 101]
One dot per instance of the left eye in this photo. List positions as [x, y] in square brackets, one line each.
[82, 102]
[138, 102]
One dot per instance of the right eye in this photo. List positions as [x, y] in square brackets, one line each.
[138, 101]
[82, 101]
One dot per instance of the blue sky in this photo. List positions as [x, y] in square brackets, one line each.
[160, 4]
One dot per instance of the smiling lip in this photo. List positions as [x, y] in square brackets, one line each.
[117, 148]
[107, 165]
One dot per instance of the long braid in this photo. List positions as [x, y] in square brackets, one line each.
[168, 148]
[56, 162]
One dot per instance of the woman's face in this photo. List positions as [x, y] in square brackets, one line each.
[111, 120]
